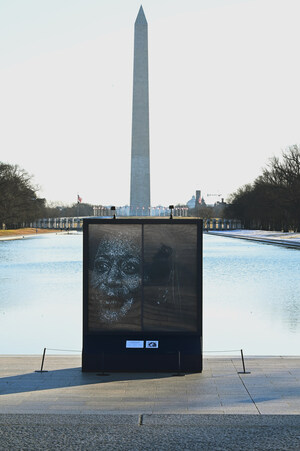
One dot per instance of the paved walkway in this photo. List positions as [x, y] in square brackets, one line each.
[34, 235]
[220, 409]
[272, 387]
[160, 432]
[287, 239]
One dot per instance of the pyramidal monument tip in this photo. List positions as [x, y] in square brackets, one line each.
[141, 18]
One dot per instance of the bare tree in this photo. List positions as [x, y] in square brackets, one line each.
[19, 202]
[272, 201]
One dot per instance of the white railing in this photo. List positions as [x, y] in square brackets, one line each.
[75, 223]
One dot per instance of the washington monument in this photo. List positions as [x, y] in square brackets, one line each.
[140, 164]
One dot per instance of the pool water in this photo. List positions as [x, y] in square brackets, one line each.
[251, 296]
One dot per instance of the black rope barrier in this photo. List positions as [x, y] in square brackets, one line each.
[64, 350]
[230, 350]
[179, 359]
[52, 349]
[242, 357]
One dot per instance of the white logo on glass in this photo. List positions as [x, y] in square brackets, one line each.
[152, 344]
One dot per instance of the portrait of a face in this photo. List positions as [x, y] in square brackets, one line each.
[115, 280]
[142, 278]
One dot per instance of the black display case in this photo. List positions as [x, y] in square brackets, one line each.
[142, 295]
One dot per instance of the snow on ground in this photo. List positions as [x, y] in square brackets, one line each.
[262, 235]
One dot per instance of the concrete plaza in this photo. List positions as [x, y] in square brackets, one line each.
[220, 409]
[272, 387]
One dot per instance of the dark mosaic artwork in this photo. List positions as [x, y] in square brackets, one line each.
[142, 277]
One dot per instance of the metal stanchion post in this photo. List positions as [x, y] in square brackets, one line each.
[243, 362]
[179, 366]
[42, 365]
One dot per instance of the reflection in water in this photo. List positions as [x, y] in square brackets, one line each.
[251, 295]
[40, 293]
[293, 313]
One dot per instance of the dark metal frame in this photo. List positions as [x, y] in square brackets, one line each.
[180, 344]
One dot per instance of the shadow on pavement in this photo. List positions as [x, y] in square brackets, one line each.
[71, 377]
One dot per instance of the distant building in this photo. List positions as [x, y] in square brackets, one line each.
[196, 201]
[198, 198]
[191, 203]
[219, 208]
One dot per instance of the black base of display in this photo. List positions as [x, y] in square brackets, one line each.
[180, 354]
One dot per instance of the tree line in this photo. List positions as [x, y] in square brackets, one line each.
[209, 211]
[65, 211]
[272, 201]
[19, 203]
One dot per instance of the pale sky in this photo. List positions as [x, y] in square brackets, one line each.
[224, 79]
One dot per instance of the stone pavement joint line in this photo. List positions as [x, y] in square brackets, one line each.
[250, 395]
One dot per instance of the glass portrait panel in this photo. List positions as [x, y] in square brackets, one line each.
[170, 278]
[115, 277]
[142, 277]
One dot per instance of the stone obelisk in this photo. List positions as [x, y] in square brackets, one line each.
[140, 161]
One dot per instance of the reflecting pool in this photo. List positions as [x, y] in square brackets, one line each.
[40, 293]
[251, 296]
